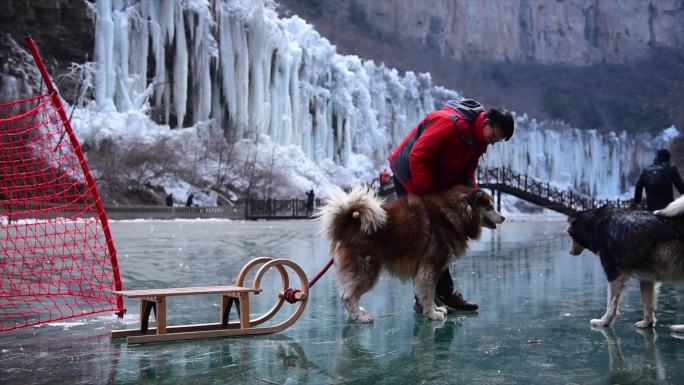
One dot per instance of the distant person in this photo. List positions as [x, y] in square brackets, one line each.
[386, 183]
[384, 177]
[188, 203]
[310, 202]
[169, 200]
[658, 179]
[443, 151]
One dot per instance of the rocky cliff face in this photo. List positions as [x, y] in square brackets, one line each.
[63, 30]
[609, 65]
[579, 32]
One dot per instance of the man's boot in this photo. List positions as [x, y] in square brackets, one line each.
[455, 301]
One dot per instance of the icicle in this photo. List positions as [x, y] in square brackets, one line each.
[258, 45]
[180, 69]
[168, 18]
[202, 41]
[227, 64]
[120, 60]
[138, 49]
[104, 42]
[242, 61]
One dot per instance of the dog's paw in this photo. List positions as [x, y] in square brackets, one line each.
[363, 318]
[442, 309]
[435, 315]
[599, 322]
[644, 324]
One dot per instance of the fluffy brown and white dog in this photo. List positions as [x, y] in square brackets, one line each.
[411, 237]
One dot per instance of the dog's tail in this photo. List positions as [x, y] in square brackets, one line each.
[674, 209]
[358, 210]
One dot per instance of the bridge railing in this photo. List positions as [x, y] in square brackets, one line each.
[279, 208]
[165, 212]
[540, 192]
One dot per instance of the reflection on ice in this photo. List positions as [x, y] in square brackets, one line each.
[647, 367]
[356, 360]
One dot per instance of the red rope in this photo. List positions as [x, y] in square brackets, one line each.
[290, 294]
[313, 280]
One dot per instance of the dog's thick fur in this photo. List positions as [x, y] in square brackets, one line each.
[411, 237]
[637, 244]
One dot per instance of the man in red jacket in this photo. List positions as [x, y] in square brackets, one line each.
[443, 151]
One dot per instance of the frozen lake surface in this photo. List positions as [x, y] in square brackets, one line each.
[535, 300]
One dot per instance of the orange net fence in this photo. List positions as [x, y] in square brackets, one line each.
[58, 260]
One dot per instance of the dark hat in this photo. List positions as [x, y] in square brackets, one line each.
[663, 154]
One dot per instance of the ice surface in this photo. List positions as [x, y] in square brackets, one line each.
[532, 327]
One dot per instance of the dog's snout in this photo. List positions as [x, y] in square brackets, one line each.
[503, 218]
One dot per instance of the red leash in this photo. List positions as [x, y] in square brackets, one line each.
[289, 294]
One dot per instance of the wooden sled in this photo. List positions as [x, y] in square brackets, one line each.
[155, 300]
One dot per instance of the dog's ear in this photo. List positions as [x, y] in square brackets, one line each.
[479, 198]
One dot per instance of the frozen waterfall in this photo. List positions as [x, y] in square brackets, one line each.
[236, 63]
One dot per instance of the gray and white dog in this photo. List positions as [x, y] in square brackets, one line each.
[648, 246]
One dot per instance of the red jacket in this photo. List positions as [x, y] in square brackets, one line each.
[443, 150]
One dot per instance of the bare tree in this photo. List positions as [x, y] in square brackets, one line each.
[136, 163]
[221, 151]
[268, 183]
[250, 168]
[76, 85]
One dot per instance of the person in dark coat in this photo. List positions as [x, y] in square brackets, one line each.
[443, 151]
[310, 202]
[188, 203]
[169, 200]
[658, 179]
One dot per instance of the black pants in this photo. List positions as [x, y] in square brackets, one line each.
[445, 285]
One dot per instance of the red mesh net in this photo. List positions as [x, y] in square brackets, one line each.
[58, 260]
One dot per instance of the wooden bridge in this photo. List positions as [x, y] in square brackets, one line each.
[541, 193]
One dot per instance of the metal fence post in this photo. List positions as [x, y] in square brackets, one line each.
[498, 200]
